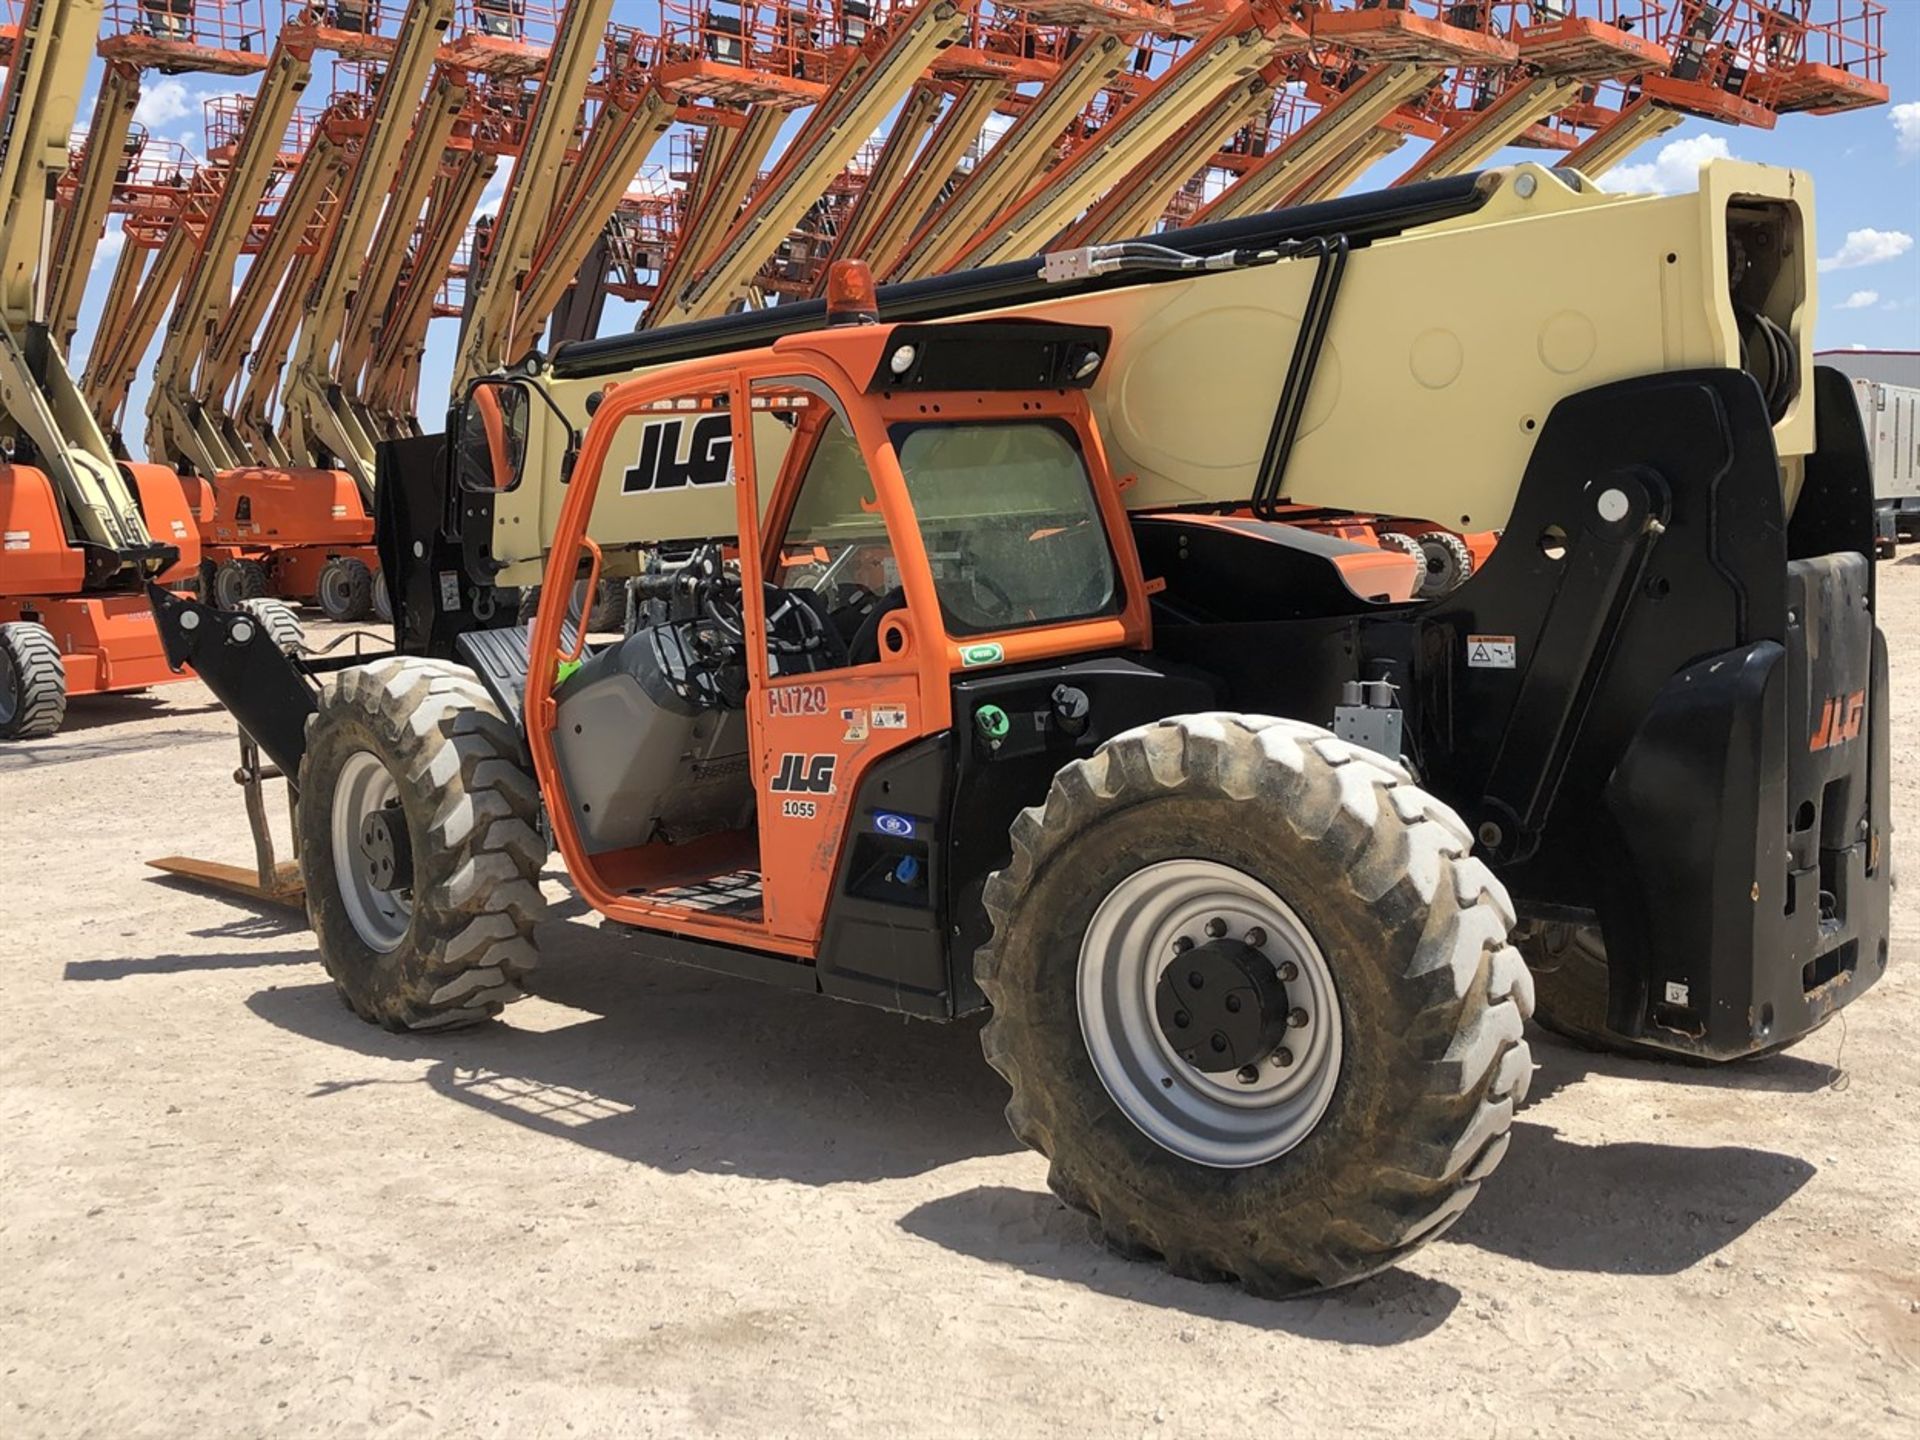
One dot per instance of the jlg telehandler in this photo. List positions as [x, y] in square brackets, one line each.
[969, 666]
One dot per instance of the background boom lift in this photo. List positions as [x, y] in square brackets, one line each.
[81, 532]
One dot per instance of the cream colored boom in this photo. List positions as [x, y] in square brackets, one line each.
[492, 327]
[319, 422]
[1233, 55]
[176, 434]
[1009, 167]
[38, 399]
[934, 169]
[840, 126]
[1449, 345]
[82, 223]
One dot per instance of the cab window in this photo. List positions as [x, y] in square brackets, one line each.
[834, 554]
[1010, 522]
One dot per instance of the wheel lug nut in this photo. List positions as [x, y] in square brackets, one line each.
[1182, 945]
[1289, 971]
[1233, 1004]
[1256, 937]
[1283, 1058]
[1216, 927]
[1296, 1017]
[1249, 1075]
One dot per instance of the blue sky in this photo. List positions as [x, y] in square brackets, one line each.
[1866, 167]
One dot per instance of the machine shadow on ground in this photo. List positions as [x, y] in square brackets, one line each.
[684, 1071]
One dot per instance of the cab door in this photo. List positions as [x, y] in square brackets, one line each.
[835, 541]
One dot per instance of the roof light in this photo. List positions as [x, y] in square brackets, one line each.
[851, 297]
[901, 360]
[1089, 362]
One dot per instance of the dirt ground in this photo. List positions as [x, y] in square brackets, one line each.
[653, 1201]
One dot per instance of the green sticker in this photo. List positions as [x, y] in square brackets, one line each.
[563, 672]
[987, 654]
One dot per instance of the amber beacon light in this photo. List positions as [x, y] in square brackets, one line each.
[851, 298]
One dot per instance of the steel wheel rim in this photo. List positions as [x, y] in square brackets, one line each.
[333, 589]
[1211, 1120]
[380, 917]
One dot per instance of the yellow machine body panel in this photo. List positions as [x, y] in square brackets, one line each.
[1449, 345]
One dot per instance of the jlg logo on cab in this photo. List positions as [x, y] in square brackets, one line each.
[1839, 720]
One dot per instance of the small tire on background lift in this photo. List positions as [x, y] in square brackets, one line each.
[280, 621]
[420, 744]
[33, 682]
[238, 580]
[1449, 562]
[1428, 1001]
[382, 599]
[345, 589]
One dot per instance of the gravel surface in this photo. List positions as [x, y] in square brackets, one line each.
[653, 1201]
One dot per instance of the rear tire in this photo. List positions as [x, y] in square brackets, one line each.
[238, 580]
[345, 589]
[608, 613]
[1431, 1060]
[33, 682]
[382, 599]
[424, 740]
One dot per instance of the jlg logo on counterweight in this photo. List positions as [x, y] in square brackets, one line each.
[804, 775]
[1839, 720]
[708, 459]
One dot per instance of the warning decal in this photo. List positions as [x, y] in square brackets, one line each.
[1490, 652]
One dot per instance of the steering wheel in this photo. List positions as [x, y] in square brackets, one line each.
[793, 626]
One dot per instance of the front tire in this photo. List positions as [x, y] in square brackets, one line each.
[33, 682]
[279, 620]
[1285, 1185]
[418, 845]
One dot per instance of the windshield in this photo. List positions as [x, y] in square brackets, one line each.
[1010, 524]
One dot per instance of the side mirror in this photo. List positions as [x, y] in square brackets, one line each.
[494, 436]
[491, 446]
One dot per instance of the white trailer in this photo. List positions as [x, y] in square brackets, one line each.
[1891, 414]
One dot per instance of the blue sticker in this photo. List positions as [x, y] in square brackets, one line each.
[888, 823]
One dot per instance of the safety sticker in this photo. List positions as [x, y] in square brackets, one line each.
[1490, 652]
[856, 719]
[17, 539]
[887, 823]
[179, 529]
[889, 717]
[1678, 994]
[985, 654]
[449, 590]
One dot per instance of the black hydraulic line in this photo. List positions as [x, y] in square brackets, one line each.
[1307, 345]
[1359, 219]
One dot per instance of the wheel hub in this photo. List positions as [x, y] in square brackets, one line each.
[1266, 992]
[1221, 1006]
[388, 850]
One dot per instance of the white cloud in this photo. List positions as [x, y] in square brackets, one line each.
[1860, 300]
[111, 243]
[166, 101]
[1906, 129]
[1675, 168]
[1868, 247]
